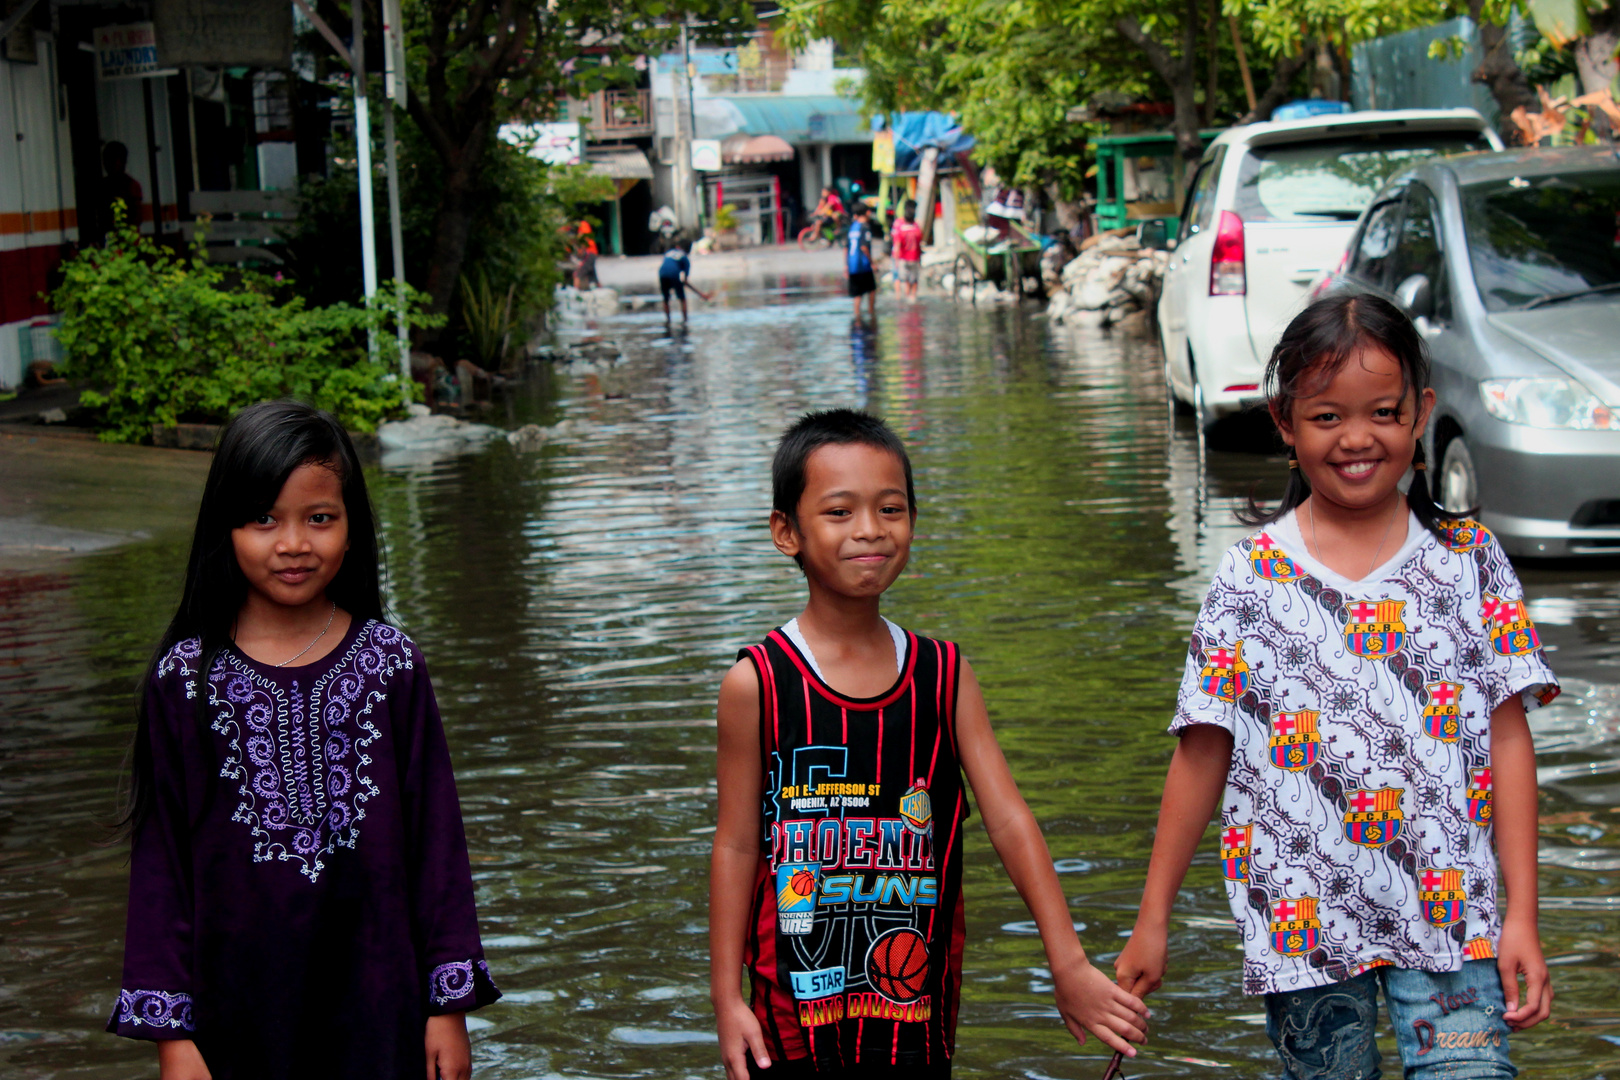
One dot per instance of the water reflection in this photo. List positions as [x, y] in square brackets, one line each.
[579, 604]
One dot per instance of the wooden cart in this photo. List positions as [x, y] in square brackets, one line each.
[1007, 262]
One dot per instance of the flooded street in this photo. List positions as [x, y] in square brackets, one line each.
[578, 607]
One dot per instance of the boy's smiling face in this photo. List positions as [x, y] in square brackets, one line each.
[854, 522]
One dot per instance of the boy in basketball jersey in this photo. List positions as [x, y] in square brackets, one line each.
[835, 882]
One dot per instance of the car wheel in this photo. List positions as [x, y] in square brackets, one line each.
[1459, 486]
[1200, 414]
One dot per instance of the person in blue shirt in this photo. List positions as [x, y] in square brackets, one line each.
[862, 280]
[673, 273]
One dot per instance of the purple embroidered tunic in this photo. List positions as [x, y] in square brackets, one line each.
[300, 900]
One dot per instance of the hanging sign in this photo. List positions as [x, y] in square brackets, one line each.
[393, 53]
[706, 155]
[127, 52]
[883, 152]
[229, 33]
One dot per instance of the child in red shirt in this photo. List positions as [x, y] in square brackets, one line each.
[907, 251]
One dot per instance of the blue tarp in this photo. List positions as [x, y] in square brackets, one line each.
[914, 131]
[813, 119]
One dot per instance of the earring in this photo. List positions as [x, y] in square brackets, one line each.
[1293, 463]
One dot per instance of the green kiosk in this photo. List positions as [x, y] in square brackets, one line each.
[1154, 152]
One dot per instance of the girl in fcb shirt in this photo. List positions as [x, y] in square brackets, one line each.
[835, 884]
[1354, 702]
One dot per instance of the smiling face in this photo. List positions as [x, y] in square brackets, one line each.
[291, 553]
[1354, 435]
[853, 533]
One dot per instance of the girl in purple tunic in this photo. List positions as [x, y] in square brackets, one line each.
[300, 898]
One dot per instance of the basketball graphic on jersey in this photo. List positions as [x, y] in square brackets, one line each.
[916, 809]
[897, 964]
[796, 896]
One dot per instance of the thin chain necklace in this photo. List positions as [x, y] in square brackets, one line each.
[333, 614]
[1318, 546]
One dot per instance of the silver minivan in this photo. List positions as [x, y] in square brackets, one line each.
[1509, 263]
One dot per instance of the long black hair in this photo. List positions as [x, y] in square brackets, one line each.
[258, 450]
[1319, 342]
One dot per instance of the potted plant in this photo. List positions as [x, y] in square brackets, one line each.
[724, 233]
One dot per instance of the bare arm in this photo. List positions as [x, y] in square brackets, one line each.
[1085, 997]
[732, 867]
[1513, 812]
[1191, 791]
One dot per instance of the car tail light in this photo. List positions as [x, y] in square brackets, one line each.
[1327, 282]
[1238, 388]
[1226, 275]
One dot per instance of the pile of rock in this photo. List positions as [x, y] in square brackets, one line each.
[1112, 280]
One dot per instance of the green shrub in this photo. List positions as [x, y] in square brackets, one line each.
[155, 338]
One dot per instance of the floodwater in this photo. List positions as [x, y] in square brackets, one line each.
[579, 605]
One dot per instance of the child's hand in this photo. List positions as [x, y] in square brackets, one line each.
[1140, 967]
[179, 1059]
[740, 1036]
[1089, 1001]
[449, 1055]
[1520, 952]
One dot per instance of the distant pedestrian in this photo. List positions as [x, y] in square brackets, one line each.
[1353, 704]
[844, 742]
[673, 275]
[906, 247]
[862, 278]
[300, 899]
[585, 253]
[118, 187]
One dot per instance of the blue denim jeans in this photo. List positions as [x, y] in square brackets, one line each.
[1448, 1025]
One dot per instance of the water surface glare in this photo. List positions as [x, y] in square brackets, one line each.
[579, 605]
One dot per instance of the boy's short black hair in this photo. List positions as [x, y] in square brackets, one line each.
[911, 210]
[833, 427]
[861, 209]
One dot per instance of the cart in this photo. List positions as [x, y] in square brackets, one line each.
[1019, 257]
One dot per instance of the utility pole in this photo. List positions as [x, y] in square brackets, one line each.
[362, 138]
[394, 92]
[695, 187]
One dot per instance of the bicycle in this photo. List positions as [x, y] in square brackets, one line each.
[822, 233]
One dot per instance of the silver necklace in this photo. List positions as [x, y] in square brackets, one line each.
[1317, 544]
[333, 614]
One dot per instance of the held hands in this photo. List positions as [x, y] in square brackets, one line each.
[179, 1059]
[1520, 953]
[449, 1055]
[740, 1038]
[1089, 1001]
[1140, 967]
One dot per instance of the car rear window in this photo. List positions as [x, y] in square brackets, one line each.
[1333, 179]
[1538, 237]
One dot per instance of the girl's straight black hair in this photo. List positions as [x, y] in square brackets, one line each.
[1319, 342]
[258, 450]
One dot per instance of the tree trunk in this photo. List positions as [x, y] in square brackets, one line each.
[1180, 74]
[1212, 85]
[461, 157]
[1595, 62]
[1283, 73]
[1500, 73]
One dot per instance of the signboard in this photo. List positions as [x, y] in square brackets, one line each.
[554, 144]
[883, 152]
[244, 33]
[127, 52]
[19, 44]
[706, 155]
[393, 53]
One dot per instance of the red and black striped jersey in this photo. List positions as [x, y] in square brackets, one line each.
[855, 947]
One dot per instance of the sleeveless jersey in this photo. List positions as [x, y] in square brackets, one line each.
[855, 947]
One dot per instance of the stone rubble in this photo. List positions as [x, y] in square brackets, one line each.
[1107, 283]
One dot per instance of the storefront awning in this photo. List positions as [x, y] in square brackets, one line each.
[619, 164]
[740, 149]
[795, 120]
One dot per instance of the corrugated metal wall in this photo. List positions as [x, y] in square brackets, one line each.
[1396, 72]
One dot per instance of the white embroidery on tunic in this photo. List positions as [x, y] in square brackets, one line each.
[301, 756]
[452, 981]
[155, 1008]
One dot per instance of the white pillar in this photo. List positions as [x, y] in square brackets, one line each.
[826, 165]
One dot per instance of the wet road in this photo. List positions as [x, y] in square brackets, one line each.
[579, 605]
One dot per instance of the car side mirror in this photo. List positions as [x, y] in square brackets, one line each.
[1415, 296]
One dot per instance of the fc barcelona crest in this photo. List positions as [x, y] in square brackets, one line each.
[1294, 739]
[1236, 841]
[1441, 890]
[1479, 796]
[1375, 629]
[1463, 534]
[1374, 817]
[1225, 676]
[1294, 926]
[1508, 623]
[1442, 716]
[1270, 562]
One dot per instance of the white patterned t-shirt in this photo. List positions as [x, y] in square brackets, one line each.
[1356, 822]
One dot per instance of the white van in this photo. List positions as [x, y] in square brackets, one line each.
[1268, 214]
